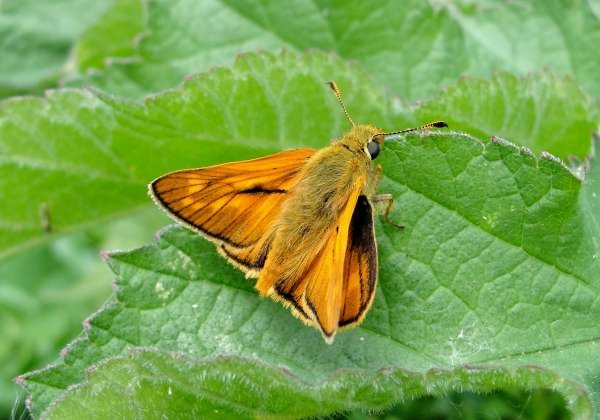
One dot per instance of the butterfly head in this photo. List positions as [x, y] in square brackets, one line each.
[364, 138]
[368, 138]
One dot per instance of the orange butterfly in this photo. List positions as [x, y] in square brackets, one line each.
[301, 221]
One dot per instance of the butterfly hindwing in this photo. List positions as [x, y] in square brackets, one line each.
[325, 277]
[360, 265]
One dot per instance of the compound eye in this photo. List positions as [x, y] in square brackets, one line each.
[373, 148]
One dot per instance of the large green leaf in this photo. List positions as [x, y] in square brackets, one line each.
[36, 39]
[81, 157]
[91, 155]
[46, 292]
[494, 283]
[230, 387]
[435, 46]
[114, 35]
[415, 47]
[498, 404]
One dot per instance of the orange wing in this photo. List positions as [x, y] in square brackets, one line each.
[360, 265]
[233, 204]
[337, 287]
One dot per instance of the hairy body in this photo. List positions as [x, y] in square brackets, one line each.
[314, 204]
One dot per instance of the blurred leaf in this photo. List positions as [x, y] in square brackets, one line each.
[91, 155]
[113, 35]
[46, 292]
[538, 404]
[415, 47]
[497, 249]
[591, 193]
[35, 319]
[83, 157]
[165, 385]
[36, 39]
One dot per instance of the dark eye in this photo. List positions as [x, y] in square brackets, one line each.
[373, 148]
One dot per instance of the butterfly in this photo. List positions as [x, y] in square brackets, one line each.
[300, 221]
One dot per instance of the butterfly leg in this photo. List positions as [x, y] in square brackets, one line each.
[383, 204]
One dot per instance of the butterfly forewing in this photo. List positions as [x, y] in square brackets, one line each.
[234, 204]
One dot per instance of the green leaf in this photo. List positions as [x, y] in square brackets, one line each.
[540, 112]
[504, 404]
[36, 38]
[114, 35]
[591, 193]
[230, 387]
[433, 52]
[121, 145]
[92, 155]
[46, 292]
[414, 47]
[493, 284]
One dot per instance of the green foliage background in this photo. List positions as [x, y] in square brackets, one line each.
[492, 289]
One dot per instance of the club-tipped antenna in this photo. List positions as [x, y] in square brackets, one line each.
[338, 95]
[397, 134]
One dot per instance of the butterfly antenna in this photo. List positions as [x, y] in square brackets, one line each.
[394, 135]
[338, 95]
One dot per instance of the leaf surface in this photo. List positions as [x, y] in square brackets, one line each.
[414, 48]
[46, 291]
[540, 112]
[36, 38]
[92, 154]
[498, 249]
[114, 35]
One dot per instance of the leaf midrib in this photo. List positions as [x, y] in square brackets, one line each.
[540, 350]
[85, 172]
